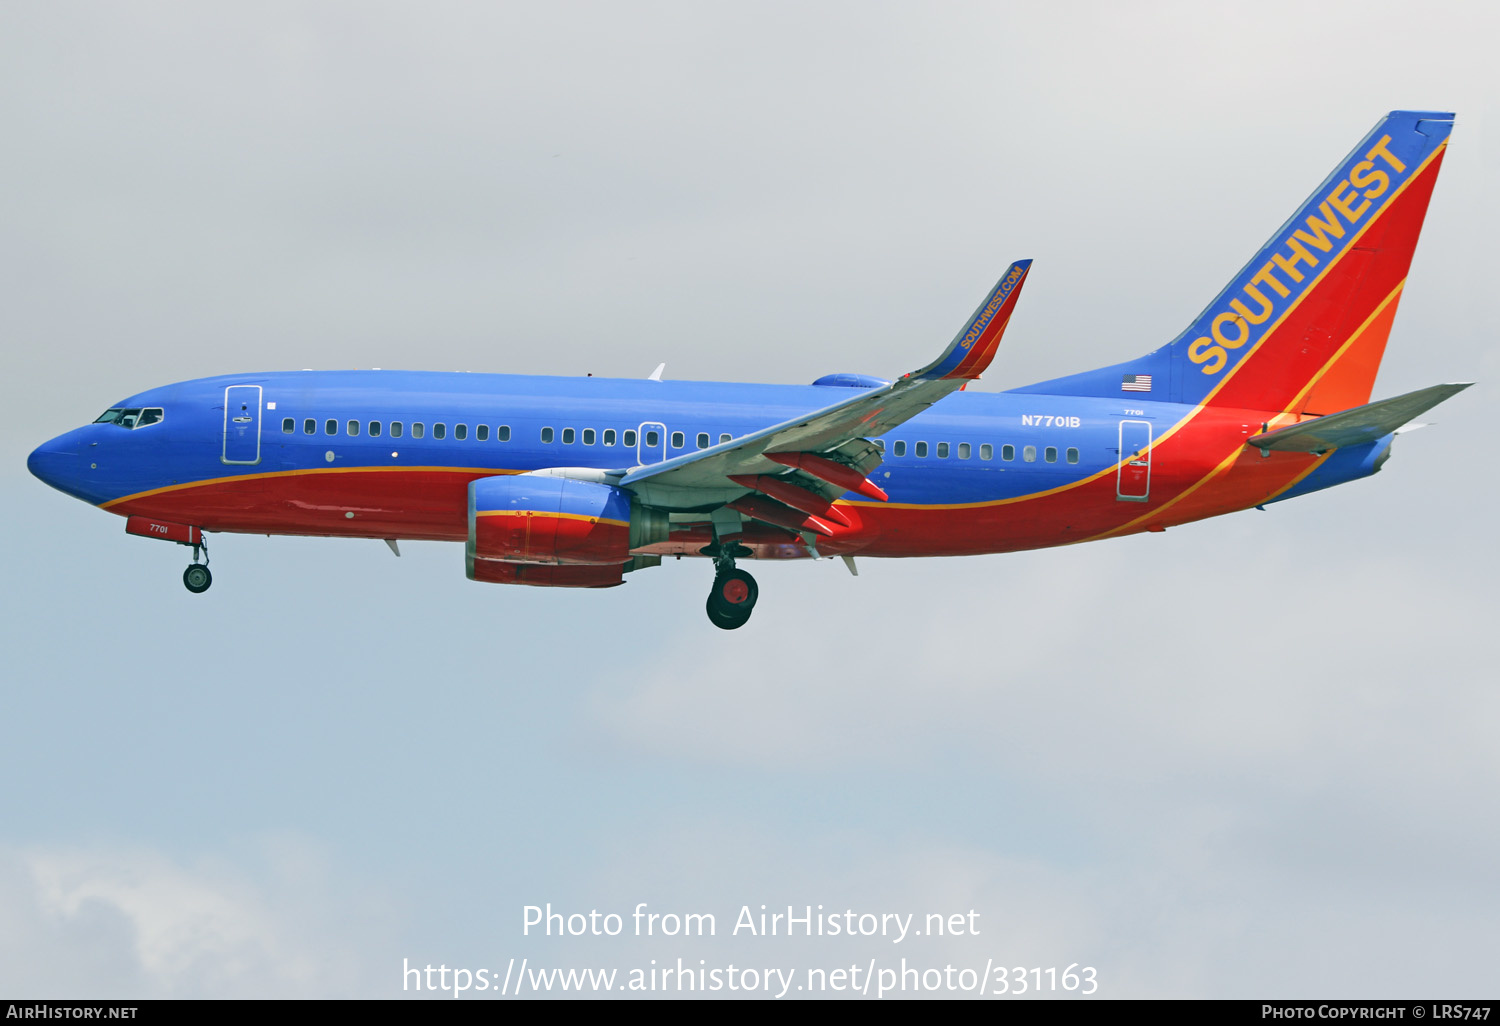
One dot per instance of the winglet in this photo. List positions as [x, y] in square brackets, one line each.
[974, 346]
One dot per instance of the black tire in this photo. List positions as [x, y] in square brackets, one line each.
[725, 619]
[734, 592]
[196, 578]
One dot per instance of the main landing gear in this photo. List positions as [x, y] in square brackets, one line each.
[734, 592]
[196, 577]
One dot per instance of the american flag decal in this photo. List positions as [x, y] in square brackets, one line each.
[1136, 383]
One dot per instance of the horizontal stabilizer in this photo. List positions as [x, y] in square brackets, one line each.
[1357, 426]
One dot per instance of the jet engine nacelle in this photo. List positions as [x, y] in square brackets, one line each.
[555, 521]
[493, 571]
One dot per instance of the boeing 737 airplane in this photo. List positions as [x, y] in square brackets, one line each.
[576, 482]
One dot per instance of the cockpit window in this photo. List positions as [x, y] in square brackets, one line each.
[131, 418]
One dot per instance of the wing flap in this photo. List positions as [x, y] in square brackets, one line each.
[760, 508]
[795, 496]
[838, 474]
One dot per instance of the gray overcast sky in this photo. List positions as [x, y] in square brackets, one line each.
[336, 760]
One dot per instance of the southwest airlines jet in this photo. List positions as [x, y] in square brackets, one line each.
[576, 482]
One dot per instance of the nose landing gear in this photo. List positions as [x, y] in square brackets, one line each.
[733, 596]
[196, 577]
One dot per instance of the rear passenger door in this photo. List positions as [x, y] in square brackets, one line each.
[1133, 482]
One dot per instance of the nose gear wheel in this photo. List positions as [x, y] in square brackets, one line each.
[196, 578]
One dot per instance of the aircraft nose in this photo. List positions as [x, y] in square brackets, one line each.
[54, 462]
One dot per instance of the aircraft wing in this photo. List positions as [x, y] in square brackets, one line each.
[821, 441]
[1357, 426]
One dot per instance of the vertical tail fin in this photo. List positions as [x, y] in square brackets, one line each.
[1303, 326]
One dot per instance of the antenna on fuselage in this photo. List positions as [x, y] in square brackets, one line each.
[656, 374]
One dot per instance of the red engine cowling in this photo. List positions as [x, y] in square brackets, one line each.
[554, 531]
[542, 576]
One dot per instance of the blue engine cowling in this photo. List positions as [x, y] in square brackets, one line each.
[541, 519]
[851, 381]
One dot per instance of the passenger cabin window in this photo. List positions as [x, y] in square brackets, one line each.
[900, 448]
[288, 425]
[726, 436]
[460, 431]
[879, 443]
[396, 429]
[418, 430]
[964, 451]
[1072, 455]
[589, 436]
[942, 450]
[440, 431]
[630, 439]
[374, 429]
[1029, 454]
[678, 441]
[330, 427]
[653, 438]
[482, 433]
[1051, 454]
[352, 427]
[703, 439]
[921, 450]
[568, 436]
[502, 433]
[546, 434]
[609, 436]
[309, 426]
[986, 451]
[1007, 452]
